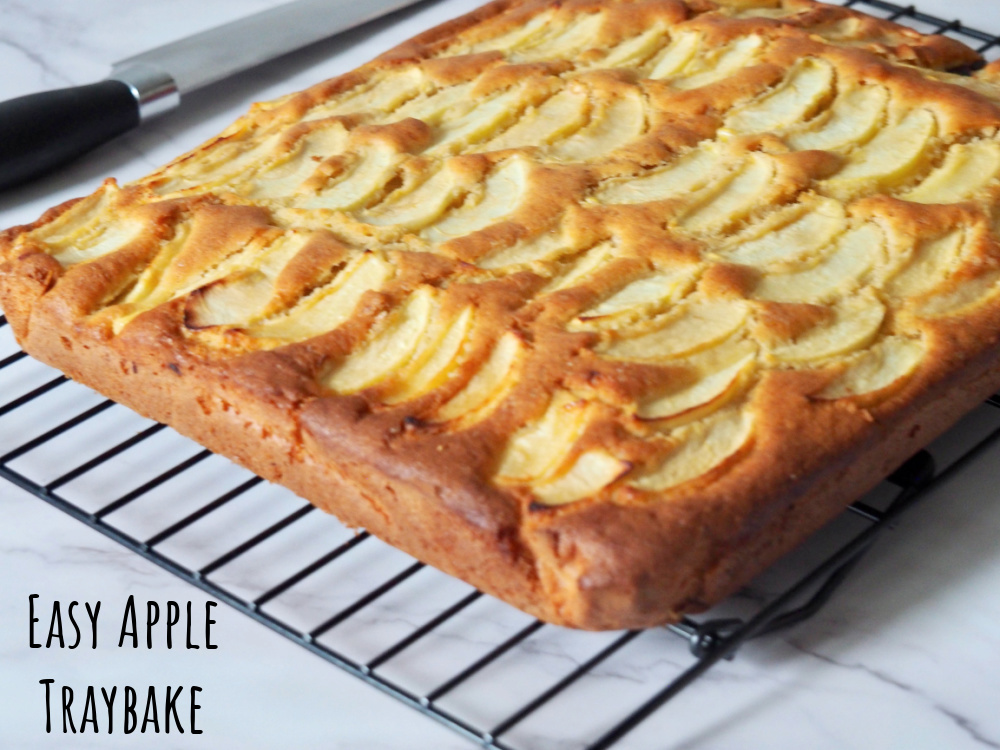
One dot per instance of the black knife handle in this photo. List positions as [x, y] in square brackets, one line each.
[40, 132]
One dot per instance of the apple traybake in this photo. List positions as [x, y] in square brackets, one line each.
[601, 306]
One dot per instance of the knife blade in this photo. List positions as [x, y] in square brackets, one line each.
[40, 132]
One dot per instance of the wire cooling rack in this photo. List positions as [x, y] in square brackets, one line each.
[218, 527]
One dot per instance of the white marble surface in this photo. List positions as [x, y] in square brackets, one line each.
[907, 655]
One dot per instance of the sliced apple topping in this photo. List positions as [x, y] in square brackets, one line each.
[589, 474]
[329, 306]
[890, 157]
[888, 363]
[282, 176]
[562, 40]
[150, 289]
[636, 50]
[80, 233]
[733, 199]
[445, 103]
[230, 162]
[692, 327]
[557, 117]
[688, 174]
[714, 67]
[383, 94]
[720, 374]
[966, 170]
[488, 386]
[794, 101]
[835, 275]
[812, 227]
[376, 166]
[677, 55]
[854, 119]
[614, 122]
[391, 348]
[242, 286]
[971, 293]
[422, 205]
[481, 122]
[854, 324]
[545, 247]
[930, 263]
[70, 249]
[521, 35]
[586, 264]
[702, 446]
[502, 193]
[538, 450]
[640, 299]
[440, 354]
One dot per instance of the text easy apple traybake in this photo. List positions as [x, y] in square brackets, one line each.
[601, 306]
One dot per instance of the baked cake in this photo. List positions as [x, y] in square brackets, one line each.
[601, 306]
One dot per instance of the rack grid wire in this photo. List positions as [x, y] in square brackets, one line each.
[709, 639]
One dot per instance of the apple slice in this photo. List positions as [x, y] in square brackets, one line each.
[444, 104]
[693, 171]
[521, 35]
[562, 40]
[889, 158]
[586, 264]
[502, 194]
[391, 348]
[385, 93]
[329, 306]
[151, 288]
[640, 299]
[84, 246]
[735, 198]
[545, 247]
[804, 90]
[966, 170]
[701, 447]
[589, 474]
[836, 275]
[227, 162]
[557, 117]
[677, 55]
[715, 67]
[633, 52]
[887, 363]
[376, 166]
[614, 122]
[696, 325]
[855, 325]
[284, 175]
[963, 297]
[488, 386]
[240, 287]
[930, 263]
[538, 450]
[439, 356]
[481, 122]
[854, 118]
[421, 205]
[82, 233]
[721, 374]
[814, 227]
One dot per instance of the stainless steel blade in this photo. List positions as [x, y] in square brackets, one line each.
[160, 76]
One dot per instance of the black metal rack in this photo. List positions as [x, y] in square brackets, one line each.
[709, 639]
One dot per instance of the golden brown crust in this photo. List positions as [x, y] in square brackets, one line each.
[599, 305]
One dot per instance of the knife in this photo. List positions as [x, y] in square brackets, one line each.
[40, 132]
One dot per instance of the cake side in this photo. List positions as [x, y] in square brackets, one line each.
[599, 306]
